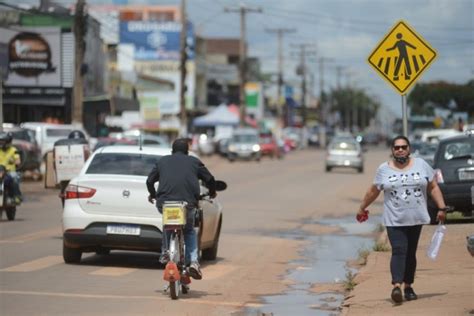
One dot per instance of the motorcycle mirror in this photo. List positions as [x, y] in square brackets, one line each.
[220, 185]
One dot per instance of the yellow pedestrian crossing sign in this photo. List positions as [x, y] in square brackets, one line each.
[402, 56]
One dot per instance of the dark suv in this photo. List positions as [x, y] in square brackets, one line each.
[454, 166]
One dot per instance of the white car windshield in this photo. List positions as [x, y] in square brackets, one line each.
[122, 164]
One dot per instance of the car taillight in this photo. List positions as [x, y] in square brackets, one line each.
[78, 192]
[439, 176]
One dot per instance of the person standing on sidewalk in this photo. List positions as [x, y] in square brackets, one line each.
[405, 182]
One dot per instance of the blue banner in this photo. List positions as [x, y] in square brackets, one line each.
[156, 40]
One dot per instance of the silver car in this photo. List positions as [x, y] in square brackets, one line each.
[345, 153]
[244, 144]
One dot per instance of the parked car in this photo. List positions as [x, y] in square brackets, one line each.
[25, 142]
[269, 146]
[346, 153]
[454, 166]
[425, 151]
[294, 136]
[222, 146]
[244, 144]
[106, 206]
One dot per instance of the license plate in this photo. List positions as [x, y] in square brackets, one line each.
[123, 230]
[173, 216]
[466, 175]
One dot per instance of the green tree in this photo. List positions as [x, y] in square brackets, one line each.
[426, 96]
[347, 100]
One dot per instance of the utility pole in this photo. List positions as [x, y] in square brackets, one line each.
[280, 32]
[350, 104]
[183, 59]
[301, 70]
[242, 57]
[322, 102]
[338, 76]
[80, 46]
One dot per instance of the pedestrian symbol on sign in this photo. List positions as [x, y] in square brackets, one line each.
[401, 45]
[401, 57]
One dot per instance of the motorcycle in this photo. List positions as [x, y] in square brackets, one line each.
[7, 203]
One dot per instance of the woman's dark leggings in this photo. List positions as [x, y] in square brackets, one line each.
[404, 242]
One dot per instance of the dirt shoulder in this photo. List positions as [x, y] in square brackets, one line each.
[444, 286]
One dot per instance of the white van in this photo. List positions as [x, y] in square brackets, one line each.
[47, 134]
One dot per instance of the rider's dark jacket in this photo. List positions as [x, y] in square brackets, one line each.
[178, 175]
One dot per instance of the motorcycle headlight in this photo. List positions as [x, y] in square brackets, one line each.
[256, 147]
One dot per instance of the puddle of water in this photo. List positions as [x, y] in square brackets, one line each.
[351, 227]
[323, 260]
[301, 303]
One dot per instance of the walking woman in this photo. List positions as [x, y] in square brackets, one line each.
[405, 182]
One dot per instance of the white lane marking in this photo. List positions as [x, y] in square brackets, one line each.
[113, 271]
[135, 297]
[56, 231]
[35, 265]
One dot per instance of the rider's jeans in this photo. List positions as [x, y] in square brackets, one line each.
[16, 183]
[190, 238]
[9, 185]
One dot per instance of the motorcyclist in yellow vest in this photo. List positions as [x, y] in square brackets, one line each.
[10, 159]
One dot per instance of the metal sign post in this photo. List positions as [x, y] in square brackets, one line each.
[404, 115]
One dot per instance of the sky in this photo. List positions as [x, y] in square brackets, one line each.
[343, 31]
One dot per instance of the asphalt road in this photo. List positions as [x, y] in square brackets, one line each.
[263, 200]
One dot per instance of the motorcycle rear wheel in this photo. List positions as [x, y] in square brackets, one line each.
[175, 288]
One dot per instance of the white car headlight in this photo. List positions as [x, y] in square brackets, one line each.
[232, 148]
[256, 147]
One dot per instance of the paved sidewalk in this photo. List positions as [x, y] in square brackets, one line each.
[444, 286]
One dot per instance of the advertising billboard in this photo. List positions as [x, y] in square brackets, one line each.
[169, 70]
[156, 40]
[34, 56]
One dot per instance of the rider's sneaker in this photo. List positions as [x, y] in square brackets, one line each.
[195, 271]
[164, 258]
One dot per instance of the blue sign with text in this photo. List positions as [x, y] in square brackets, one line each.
[156, 40]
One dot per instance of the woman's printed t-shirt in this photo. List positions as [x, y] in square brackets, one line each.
[405, 198]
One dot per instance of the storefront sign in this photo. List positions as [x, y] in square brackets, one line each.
[34, 56]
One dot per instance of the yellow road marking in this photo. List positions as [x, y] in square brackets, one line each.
[113, 271]
[135, 297]
[56, 231]
[35, 265]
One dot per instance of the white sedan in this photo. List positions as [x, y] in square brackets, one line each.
[106, 206]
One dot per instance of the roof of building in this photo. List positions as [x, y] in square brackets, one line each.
[226, 46]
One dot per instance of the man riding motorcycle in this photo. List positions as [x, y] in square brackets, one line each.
[10, 159]
[178, 175]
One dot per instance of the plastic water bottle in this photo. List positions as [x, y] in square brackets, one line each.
[436, 240]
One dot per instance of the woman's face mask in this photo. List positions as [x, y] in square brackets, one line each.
[401, 152]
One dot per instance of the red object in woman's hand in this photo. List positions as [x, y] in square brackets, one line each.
[362, 217]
